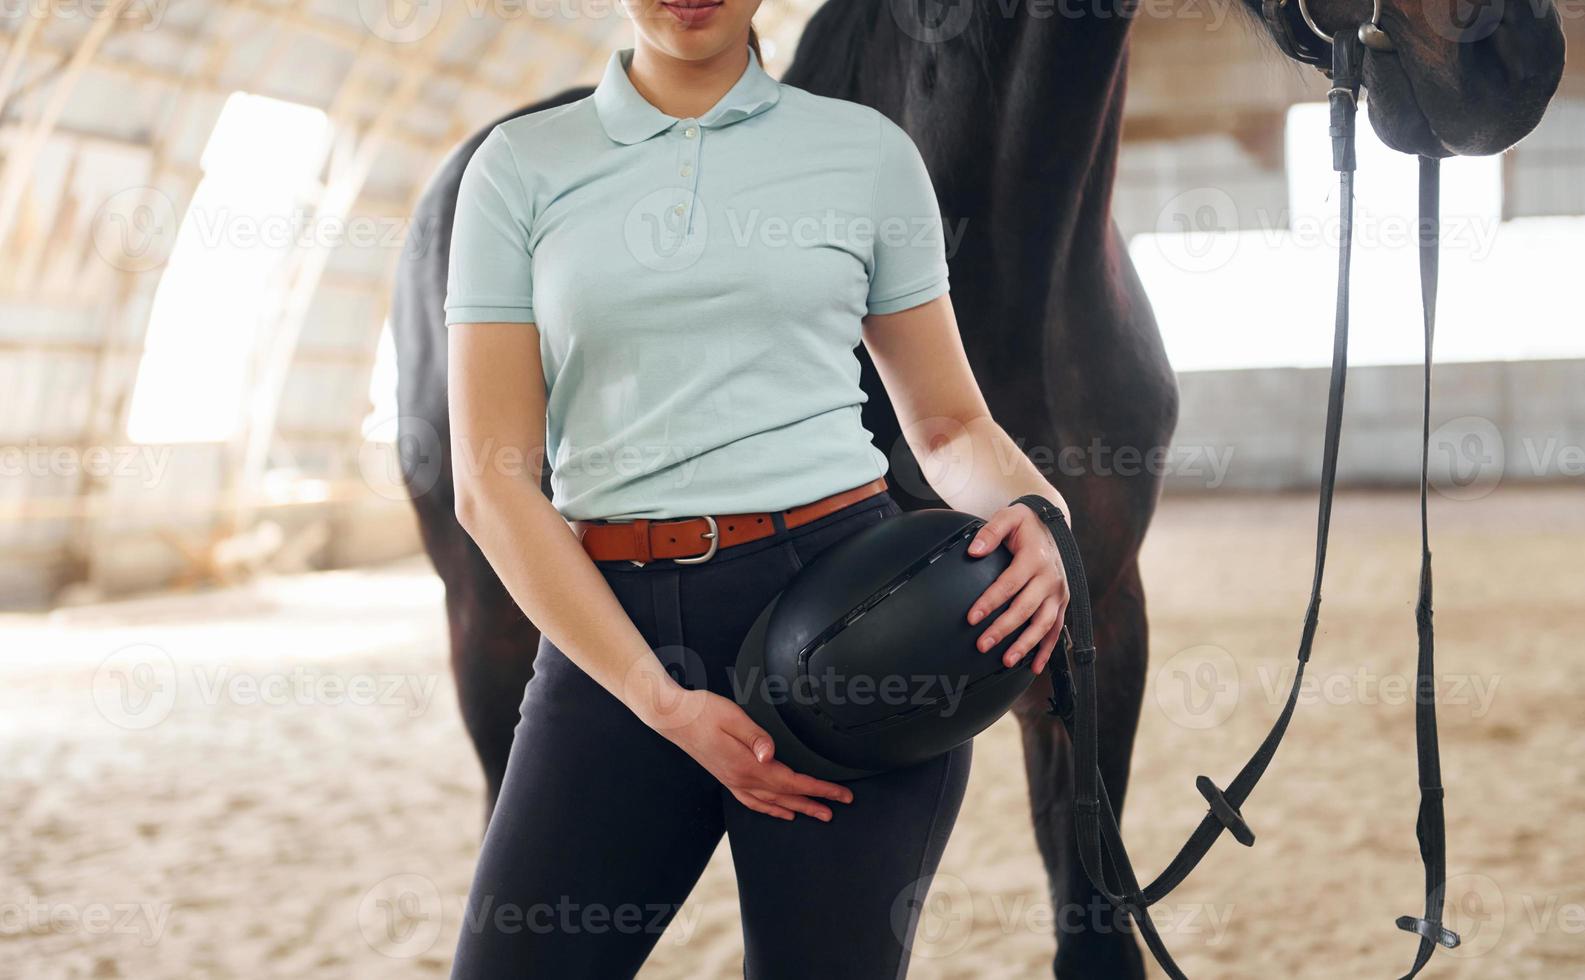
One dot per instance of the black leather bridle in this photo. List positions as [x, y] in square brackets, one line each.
[1299, 37]
[1100, 843]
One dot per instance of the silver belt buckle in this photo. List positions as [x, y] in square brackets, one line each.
[713, 536]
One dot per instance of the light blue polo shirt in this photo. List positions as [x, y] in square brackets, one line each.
[698, 287]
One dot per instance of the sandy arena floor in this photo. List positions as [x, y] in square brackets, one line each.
[272, 781]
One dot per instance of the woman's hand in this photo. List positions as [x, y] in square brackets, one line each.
[720, 736]
[1035, 582]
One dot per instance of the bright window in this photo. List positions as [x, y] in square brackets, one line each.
[224, 277]
[1264, 297]
[379, 425]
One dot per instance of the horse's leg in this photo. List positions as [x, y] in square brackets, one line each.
[492, 658]
[1093, 939]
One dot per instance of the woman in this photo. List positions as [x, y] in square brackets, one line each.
[688, 259]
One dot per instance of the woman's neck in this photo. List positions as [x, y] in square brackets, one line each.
[685, 89]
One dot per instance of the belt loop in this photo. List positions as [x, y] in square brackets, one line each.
[668, 607]
[641, 539]
[778, 520]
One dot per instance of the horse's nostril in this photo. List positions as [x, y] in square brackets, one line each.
[1510, 55]
[1525, 46]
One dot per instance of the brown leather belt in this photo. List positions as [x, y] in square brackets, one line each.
[691, 540]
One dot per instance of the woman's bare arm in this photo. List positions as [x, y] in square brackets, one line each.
[497, 399]
[967, 457]
[976, 467]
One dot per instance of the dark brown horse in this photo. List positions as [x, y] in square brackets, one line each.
[1017, 109]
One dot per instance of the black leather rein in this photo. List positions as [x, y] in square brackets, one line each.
[1100, 843]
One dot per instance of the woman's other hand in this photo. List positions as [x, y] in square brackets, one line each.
[722, 738]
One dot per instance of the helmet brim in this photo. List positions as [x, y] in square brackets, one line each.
[754, 697]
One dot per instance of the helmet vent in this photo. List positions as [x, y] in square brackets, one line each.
[853, 615]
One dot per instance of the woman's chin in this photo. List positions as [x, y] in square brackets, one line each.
[691, 42]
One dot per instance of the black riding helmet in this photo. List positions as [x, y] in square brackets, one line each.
[867, 662]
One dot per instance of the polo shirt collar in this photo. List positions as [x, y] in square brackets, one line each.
[629, 118]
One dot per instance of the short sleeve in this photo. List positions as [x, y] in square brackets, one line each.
[909, 262]
[489, 279]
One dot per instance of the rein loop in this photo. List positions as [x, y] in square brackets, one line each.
[1100, 844]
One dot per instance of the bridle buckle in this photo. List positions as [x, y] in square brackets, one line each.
[1302, 39]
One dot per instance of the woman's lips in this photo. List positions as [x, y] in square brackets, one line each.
[693, 11]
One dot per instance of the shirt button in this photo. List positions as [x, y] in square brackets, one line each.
[686, 170]
[678, 210]
[690, 133]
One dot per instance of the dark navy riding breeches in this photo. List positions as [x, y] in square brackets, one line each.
[603, 826]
